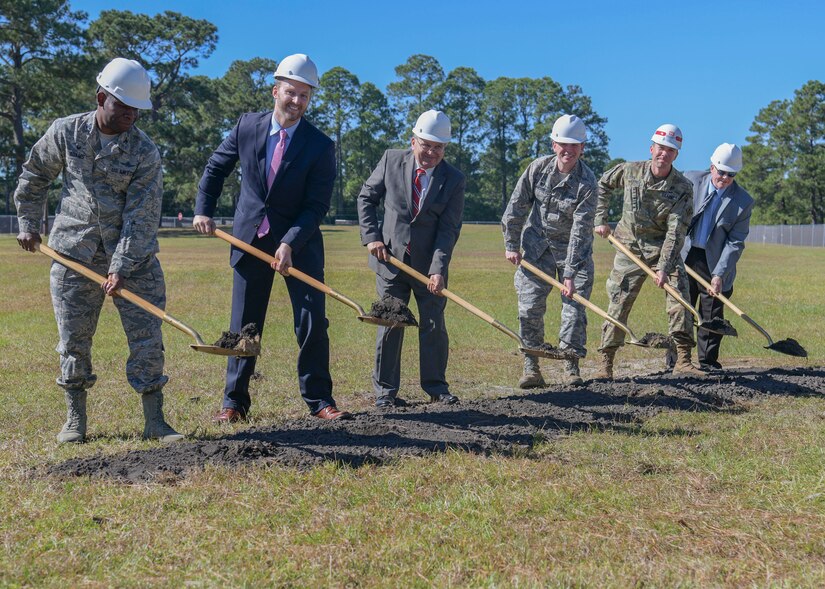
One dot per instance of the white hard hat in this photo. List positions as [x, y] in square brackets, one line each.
[727, 157]
[126, 80]
[668, 135]
[433, 125]
[298, 67]
[569, 129]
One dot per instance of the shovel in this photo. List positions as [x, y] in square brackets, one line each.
[652, 340]
[789, 346]
[306, 278]
[557, 354]
[199, 344]
[721, 327]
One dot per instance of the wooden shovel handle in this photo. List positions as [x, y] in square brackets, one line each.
[725, 300]
[456, 299]
[669, 289]
[121, 292]
[294, 272]
[577, 297]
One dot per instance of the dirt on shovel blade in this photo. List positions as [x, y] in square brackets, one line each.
[722, 326]
[248, 340]
[789, 346]
[551, 351]
[657, 340]
[392, 309]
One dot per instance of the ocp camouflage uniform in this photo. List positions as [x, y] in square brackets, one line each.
[558, 238]
[655, 217]
[107, 219]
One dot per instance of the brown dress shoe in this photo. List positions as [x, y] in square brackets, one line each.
[229, 415]
[330, 412]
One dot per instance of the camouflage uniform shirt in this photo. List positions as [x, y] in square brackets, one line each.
[655, 211]
[110, 196]
[562, 219]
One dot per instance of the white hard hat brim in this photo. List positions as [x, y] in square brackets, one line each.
[567, 140]
[725, 168]
[306, 81]
[430, 137]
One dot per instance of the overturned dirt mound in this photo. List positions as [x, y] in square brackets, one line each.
[392, 309]
[505, 425]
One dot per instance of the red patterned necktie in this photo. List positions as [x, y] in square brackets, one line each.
[416, 195]
[277, 156]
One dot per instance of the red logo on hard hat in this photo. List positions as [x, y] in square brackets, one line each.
[666, 133]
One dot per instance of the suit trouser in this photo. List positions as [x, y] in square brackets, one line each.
[433, 341]
[77, 303]
[532, 306]
[623, 286]
[251, 288]
[710, 308]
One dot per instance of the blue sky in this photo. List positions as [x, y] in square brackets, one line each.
[705, 66]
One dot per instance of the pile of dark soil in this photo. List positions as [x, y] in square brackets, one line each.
[247, 340]
[390, 308]
[657, 340]
[508, 425]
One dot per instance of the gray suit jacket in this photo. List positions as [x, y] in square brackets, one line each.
[434, 231]
[727, 237]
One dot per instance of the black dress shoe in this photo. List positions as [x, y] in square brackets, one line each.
[710, 366]
[445, 398]
[386, 402]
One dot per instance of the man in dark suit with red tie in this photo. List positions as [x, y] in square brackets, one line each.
[287, 175]
[423, 198]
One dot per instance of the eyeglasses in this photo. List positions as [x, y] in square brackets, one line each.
[429, 147]
[723, 174]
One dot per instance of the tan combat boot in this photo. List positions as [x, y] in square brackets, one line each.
[606, 360]
[532, 377]
[683, 364]
[74, 430]
[156, 427]
[571, 372]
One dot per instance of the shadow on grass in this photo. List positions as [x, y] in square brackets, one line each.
[507, 426]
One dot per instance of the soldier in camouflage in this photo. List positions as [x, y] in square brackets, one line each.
[656, 210]
[556, 197]
[107, 218]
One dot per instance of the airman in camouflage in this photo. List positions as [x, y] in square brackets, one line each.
[556, 197]
[107, 219]
[656, 209]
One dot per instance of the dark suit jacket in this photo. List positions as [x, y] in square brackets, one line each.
[435, 229]
[732, 224]
[299, 197]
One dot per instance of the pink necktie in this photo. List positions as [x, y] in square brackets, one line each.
[416, 195]
[277, 156]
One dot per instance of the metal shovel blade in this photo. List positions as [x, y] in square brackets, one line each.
[719, 326]
[219, 351]
[789, 346]
[372, 320]
[548, 351]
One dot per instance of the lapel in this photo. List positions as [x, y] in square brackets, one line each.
[261, 133]
[705, 196]
[726, 198]
[436, 184]
[299, 139]
[407, 168]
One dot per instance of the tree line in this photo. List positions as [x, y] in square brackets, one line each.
[49, 58]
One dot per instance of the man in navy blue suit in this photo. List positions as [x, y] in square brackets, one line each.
[287, 175]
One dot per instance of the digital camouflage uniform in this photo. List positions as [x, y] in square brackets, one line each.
[558, 238]
[107, 219]
[655, 217]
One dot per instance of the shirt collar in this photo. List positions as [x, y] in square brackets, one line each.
[275, 127]
[427, 171]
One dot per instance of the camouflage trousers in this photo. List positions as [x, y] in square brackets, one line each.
[532, 306]
[77, 303]
[623, 286]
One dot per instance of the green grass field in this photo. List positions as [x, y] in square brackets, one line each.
[737, 499]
